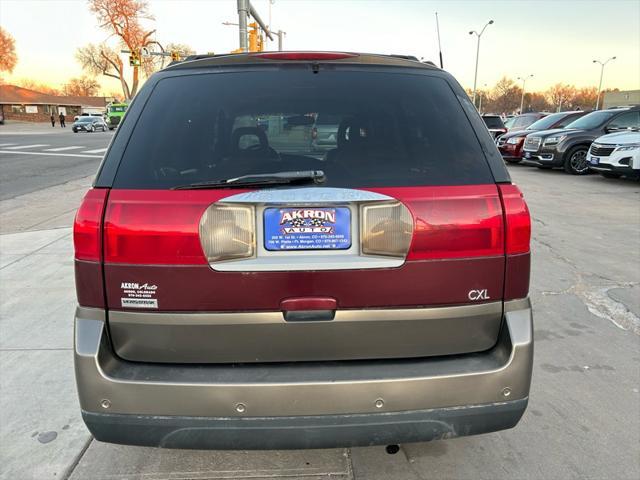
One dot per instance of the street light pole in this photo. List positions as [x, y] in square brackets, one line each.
[601, 74]
[485, 94]
[475, 77]
[524, 81]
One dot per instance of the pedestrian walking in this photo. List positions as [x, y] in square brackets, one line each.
[61, 117]
[53, 120]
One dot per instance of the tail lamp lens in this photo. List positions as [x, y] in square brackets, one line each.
[386, 230]
[154, 227]
[518, 229]
[86, 227]
[227, 232]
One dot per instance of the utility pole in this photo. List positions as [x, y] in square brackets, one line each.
[475, 77]
[524, 81]
[243, 13]
[246, 10]
[280, 35]
[601, 74]
[271, 2]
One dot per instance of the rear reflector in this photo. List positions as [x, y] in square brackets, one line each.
[517, 218]
[305, 55]
[453, 222]
[86, 227]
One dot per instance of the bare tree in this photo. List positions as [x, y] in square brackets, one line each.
[103, 60]
[122, 19]
[561, 96]
[82, 87]
[505, 96]
[8, 57]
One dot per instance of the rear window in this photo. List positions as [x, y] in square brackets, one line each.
[493, 122]
[394, 129]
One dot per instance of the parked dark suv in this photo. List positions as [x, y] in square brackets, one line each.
[238, 289]
[510, 144]
[568, 147]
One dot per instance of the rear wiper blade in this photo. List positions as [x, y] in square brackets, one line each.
[258, 179]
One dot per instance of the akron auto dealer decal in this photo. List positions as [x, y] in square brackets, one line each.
[135, 295]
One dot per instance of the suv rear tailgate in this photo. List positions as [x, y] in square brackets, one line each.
[446, 298]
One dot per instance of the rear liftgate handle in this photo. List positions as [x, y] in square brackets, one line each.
[308, 309]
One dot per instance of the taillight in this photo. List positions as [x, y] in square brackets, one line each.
[227, 232]
[518, 229]
[386, 229]
[86, 227]
[305, 55]
[155, 227]
[453, 222]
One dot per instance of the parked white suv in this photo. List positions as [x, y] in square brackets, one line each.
[616, 154]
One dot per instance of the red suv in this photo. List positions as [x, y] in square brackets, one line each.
[239, 289]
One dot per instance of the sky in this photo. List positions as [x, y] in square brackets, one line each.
[556, 41]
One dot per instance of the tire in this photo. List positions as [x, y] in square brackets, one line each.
[575, 161]
[513, 160]
[610, 175]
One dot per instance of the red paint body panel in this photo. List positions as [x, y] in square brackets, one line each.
[89, 287]
[517, 276]
[419, 283]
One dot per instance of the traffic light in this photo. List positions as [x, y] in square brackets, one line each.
[253, 37]
[134, 59]
[175, 56]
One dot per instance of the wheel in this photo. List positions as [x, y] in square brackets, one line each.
[513, 160]
[610, 175]
[110, 128]
[576, 161]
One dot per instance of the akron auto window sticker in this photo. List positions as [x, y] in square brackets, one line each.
[135, 295]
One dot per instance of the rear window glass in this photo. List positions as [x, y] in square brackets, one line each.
[390, 129]
[493, 122]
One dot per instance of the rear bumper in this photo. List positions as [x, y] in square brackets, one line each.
[323, 431]
[306, 404]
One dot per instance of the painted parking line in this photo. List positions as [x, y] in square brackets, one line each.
[22, 147]
[51, 154]
[61, 149]
[99, 150]
[6, 144]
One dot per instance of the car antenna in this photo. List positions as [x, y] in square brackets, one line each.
[439, 45]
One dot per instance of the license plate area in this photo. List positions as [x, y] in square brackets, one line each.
[307, 228]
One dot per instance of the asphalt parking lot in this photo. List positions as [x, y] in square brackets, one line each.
[583, 419]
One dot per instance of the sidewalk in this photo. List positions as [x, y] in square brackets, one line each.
[12, 127]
